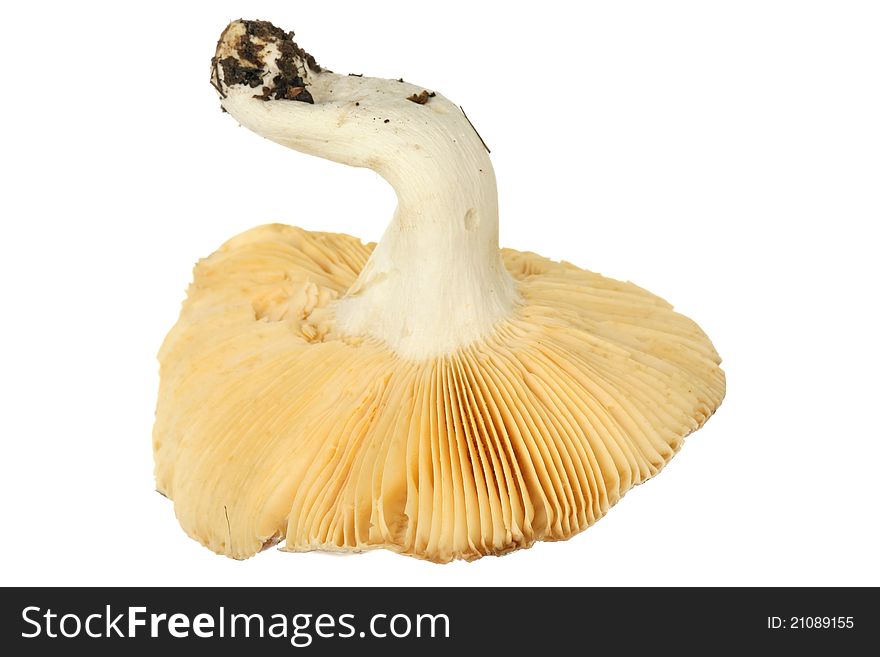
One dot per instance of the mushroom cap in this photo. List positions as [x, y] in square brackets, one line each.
[272, 426]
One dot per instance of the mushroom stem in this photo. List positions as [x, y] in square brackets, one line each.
[435, 282]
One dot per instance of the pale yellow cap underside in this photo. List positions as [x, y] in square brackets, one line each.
[271, 427]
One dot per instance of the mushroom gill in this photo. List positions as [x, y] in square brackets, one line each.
[432, 394]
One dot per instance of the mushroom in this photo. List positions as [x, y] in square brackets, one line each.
[430, 394]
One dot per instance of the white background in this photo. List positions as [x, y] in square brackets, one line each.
[724, 155]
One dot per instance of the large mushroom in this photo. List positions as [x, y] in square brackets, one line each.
[430, 394]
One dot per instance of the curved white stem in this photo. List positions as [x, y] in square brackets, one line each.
[435, 281]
